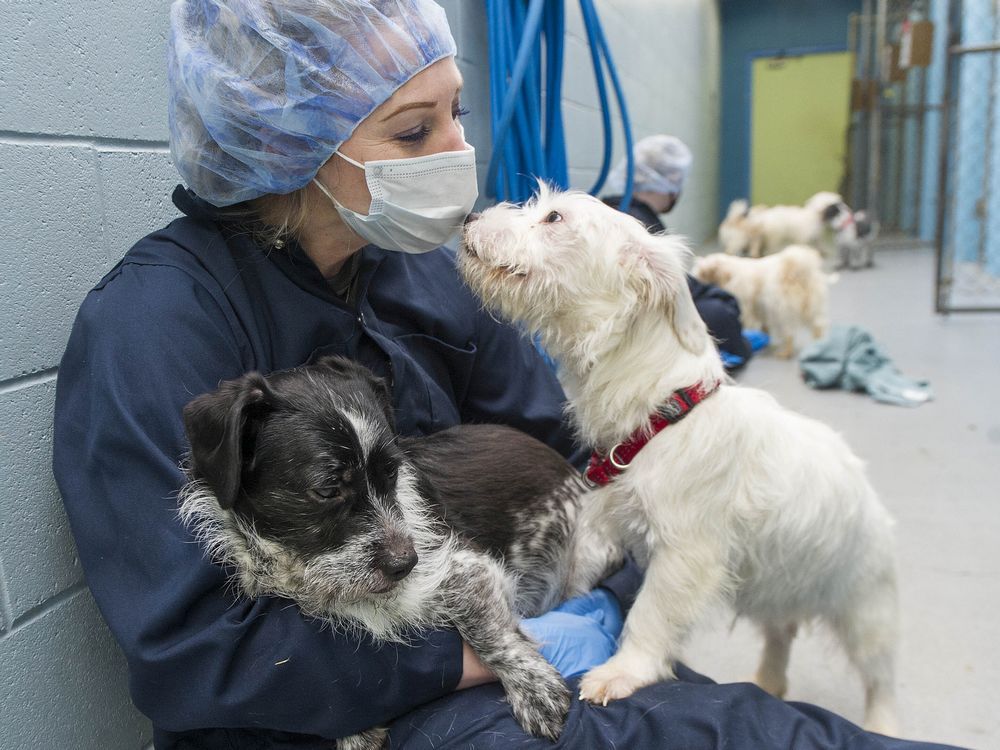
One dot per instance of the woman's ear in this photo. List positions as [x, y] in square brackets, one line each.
[657, 266]
[221, 427]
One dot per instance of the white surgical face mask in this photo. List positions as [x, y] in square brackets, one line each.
[417, 204]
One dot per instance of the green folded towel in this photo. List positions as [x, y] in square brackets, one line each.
[849, 358]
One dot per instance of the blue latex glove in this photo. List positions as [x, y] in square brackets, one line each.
[580, 633]
[757, 339]
[730, 360]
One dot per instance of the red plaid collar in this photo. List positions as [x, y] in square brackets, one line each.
[603, 468]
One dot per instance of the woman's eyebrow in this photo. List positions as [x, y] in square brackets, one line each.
[420, 105]
[407, 107]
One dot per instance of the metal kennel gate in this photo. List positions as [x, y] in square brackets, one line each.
[890, 106]
[968, 227]
[923, 152]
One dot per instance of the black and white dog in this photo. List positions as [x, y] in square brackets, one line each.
[855, 234]
[299, 482]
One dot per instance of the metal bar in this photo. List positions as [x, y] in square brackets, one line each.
[875, 132]
[969, 310]
[865, 75]
[894, 110]
[984, 201]
[971, 49]
[940, 304]
[921, 114]
[900, 158]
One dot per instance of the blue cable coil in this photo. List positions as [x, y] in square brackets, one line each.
[526, 148]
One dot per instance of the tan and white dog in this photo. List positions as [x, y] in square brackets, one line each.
[779, 294]
[741, 502]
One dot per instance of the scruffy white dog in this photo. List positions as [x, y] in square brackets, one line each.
[764, 230]
[741, 501]
[779, 294]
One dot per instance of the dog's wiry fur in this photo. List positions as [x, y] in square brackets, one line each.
[742, 502]
[779, 294]
[300, 485]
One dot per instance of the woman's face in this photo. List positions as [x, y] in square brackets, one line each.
[420, 118]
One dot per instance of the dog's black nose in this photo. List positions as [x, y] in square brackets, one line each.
[397, 563]
[472, 217]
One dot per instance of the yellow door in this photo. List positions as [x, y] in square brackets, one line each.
[800, 114]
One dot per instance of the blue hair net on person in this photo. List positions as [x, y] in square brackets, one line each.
[262, 92]
[662, 163]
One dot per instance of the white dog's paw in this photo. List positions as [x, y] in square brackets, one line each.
[881, 719]
[774, 684]
[613, 681]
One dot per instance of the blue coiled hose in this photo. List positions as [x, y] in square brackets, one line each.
[524, 148]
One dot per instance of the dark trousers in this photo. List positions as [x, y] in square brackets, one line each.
[692, 713]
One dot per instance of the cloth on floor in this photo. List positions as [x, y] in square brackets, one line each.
[849, 358]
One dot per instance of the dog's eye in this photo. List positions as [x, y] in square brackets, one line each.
[324, 494]
[553, 217]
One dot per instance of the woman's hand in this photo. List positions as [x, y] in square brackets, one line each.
[474, 672]
[580, 633]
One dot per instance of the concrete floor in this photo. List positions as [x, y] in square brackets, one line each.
[937, 468]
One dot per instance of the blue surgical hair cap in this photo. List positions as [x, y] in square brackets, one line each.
[662, 163]
[262, 92]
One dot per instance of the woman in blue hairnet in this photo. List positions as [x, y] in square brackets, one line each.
[324, 164]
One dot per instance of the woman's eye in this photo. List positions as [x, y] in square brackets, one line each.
[459, 112]
[324, 494]
[553, 217]
[416, 136]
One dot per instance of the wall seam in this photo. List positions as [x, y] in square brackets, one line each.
[98, 143]
[40, 610]
[5, 607]
[21, 382]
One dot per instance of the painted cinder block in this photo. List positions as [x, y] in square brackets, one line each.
[64, 684]
[476, 99]
[136, 187]
[584, 136]
[51, 250]
[35, 541]
[94, 69]
[472, 33]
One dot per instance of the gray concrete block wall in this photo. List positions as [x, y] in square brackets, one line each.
[85, 172]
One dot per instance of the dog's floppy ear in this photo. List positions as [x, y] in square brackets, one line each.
[658, 269]
[221, 427]
[347, 369]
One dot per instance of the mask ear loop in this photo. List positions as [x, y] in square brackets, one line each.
[322, 187]
[326, 192]
[349, 160]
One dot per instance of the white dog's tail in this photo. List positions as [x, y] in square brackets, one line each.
[738, 208]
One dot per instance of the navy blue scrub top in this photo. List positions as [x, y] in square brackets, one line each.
[197, 303]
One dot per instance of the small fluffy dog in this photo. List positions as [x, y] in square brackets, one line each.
[740, 501]
[764, 230]
[299, 482]
[854, 234]
[778, 294]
